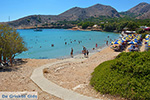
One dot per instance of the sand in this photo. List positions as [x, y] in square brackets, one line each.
[76, 75]
[17, 78]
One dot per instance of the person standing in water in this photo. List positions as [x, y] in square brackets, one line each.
[84, 51]
[107, 43]
[87, 52]
[96, 45]
[71, 52]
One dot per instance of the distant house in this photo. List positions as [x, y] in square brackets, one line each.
[95, 26]
[75, 28]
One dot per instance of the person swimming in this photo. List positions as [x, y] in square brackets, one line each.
[52, 45]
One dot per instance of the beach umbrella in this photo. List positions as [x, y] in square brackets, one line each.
[132, 42]
[118, 42]
[122, 40]
[127, 38]
[112, 42]
[136, 40]
[146, 38]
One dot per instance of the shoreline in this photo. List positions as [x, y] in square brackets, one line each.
[66, 29]
[81, 55]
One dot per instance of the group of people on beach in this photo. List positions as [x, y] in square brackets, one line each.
[84, 51]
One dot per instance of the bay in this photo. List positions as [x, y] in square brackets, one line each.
[39, 42]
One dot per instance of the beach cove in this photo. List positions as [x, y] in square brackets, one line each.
[18, 78]
[39, 43]
[65, 73]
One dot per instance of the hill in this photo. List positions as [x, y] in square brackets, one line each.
[69, 15]
[95, 11]
[145, 15]
[140, 11]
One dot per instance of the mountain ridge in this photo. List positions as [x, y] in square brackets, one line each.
[138, 11]
[141, 11]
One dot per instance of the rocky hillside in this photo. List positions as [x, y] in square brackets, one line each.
[34, 20]
[95, 11]
[140, 11]
[70, 15]
[145, 16]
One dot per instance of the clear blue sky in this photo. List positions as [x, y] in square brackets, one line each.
[21, 8]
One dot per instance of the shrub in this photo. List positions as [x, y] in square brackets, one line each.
[140, 31]
[128, 76]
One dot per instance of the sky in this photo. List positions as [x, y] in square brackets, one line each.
[15, 9]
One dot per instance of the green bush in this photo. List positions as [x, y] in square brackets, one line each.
[140, 31]
[127, 76]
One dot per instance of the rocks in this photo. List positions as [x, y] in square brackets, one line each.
[45, 70]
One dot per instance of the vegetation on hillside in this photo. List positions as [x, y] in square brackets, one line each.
[10, 43]
[128, 76]
[109, 23]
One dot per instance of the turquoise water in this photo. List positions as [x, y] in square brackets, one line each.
[39, 43]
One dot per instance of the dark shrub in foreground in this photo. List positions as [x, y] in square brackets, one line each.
[128, 76]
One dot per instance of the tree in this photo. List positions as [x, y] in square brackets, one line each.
[11, 43]
[132, 26]
[85, 25]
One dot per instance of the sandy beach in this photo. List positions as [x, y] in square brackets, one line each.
[74, 75]
[17, 78]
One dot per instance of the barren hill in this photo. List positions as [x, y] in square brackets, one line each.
[70, 15]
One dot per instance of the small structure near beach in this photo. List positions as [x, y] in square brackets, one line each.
[76, 28]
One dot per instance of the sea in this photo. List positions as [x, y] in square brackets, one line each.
[57, 43]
